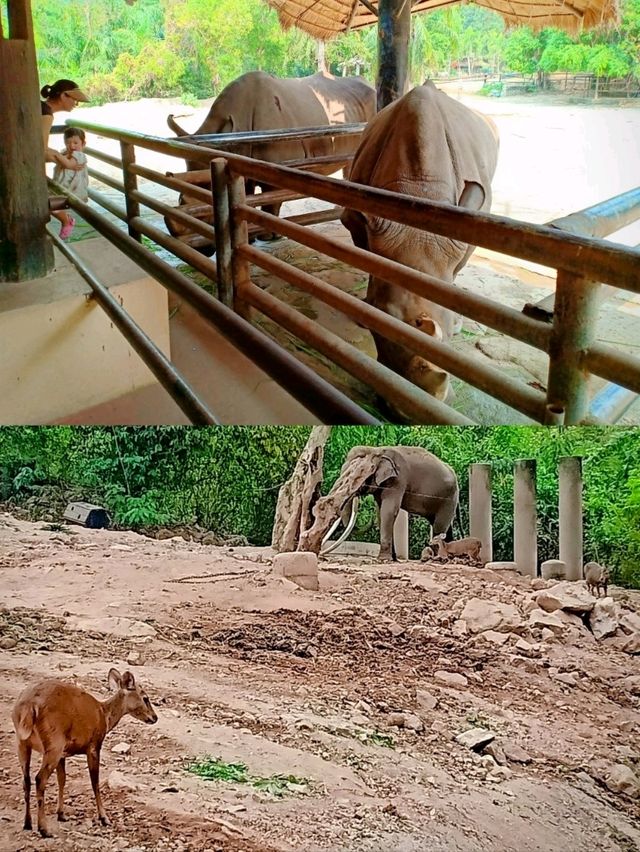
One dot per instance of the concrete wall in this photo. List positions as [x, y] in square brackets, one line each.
[59, 351]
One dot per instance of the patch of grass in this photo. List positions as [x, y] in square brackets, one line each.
[478, 720]
[55, 527]
[213, 769]
[376, 738]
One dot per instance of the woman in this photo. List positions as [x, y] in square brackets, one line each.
[63, 96]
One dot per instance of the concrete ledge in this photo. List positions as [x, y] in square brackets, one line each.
[62, 352]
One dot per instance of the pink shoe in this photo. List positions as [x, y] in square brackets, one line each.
[65, 230]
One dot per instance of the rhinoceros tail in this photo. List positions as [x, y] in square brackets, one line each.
[173, 125]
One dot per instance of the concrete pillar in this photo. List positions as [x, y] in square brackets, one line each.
[525, 537]
[401, 535]
[570, 513]
[480, 508]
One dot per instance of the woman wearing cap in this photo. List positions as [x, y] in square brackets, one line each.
[63, 96]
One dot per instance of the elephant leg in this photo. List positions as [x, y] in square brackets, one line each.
[443, 520]
[389, 508]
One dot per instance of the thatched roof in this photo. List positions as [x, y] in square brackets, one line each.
[324, 19]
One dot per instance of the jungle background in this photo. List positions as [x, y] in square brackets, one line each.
[227, 480]
[193, 48]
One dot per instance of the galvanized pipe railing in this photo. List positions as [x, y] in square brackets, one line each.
[603, 218]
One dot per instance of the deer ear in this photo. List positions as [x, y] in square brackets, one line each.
[114, 679]
[128, 681]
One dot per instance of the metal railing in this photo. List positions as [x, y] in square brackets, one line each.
[584, 264]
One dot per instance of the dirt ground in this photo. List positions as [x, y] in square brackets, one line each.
[358, 690]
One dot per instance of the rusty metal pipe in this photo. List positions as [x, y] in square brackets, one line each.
[169, 377]
[621, 368]
[166, 210]
[500, 317]
[483, 376]
[419, 405]
[607, 262]
[108, 181]
[198, 192]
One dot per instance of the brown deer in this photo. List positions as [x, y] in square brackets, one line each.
[59, 720]
[469, 547]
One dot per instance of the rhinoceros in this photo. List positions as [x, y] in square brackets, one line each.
[428, 145]
[260, 101]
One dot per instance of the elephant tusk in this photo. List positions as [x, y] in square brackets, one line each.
[328, 547]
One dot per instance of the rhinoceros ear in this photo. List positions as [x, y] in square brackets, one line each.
[473, 196]
[356, 224]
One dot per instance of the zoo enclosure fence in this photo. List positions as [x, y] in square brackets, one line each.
[585, 264]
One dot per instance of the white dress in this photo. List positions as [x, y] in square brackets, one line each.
[75, 182]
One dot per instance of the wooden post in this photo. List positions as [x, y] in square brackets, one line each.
[219, 188]
[25, 249]
[394, 31]
[130, 181]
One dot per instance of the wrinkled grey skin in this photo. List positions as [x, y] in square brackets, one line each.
[407, 478]
[260, 101]
[428, 145]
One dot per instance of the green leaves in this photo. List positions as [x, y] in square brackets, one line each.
[213, 769]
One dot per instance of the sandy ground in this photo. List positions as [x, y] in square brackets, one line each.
[555, 156]
[247, 667]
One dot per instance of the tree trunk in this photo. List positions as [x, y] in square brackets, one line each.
[331, 506]
[320, 57]
[25, 248]
[299, 493]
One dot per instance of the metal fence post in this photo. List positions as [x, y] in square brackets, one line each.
[219, 188]
[574, 330]
[130, 181]
[239, 237]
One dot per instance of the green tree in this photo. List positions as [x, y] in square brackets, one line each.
[522, 51]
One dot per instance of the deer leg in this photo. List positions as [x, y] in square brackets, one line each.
[49, 763]
[24, 755]
[93, 762]
[62, 777]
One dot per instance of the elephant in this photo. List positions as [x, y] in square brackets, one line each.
[409, 478]
[429, 145]
[260, 101]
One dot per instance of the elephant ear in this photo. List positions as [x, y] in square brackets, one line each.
[385, 470]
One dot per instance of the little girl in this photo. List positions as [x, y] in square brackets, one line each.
[75, 181]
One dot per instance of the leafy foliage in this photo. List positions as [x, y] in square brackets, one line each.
[227, 479]
[157, 48]
[213, 769]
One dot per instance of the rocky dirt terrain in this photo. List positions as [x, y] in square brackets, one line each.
[411, 706]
